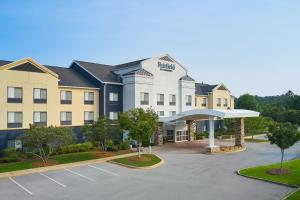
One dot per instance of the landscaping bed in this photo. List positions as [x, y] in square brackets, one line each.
[146, 160]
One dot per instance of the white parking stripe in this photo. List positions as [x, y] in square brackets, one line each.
[55, 181]
[83, 176]
[21, 186]
[103, 170]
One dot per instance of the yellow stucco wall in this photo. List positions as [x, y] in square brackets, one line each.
[212, 100]
[30, 80]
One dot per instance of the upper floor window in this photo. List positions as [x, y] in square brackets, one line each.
[88, 97]
[204, 102]
[40, 118]
[188, 100]
[39, 95]
[225, 102]
[65, 97]
[144, 98]
[172, 113]
[65, 118]
[88, 117]
[172, 99]
[161, 113]
[113, 115]
[14, 119]
[14, 94]
[218, 102]
[113, 96]
[160, 99]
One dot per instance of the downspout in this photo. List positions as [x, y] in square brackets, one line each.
[104, 99]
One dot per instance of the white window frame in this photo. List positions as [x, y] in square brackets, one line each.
[64, 96]
[37, 93]
[12, 118]
[113, 115]
[89, 114]
[38, 116]
[64, 116]
[113, 96]
[12, 94]
[88, 96]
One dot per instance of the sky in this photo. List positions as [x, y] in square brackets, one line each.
[250, 46]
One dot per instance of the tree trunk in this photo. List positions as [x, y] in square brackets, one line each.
[139, 149]
[281, 163]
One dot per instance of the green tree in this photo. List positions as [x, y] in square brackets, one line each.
[247, 101]
[284, 135]
[257, 125]
[141, 124]
[44, 141]
[98, 132]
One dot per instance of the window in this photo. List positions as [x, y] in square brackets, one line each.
[161, 113]
[172, 99]
[160, 99]
[88, 117]
[88, 97]
[39, 95]
[204, 102]
[144, 98]
[172, 113]
[65, 118]
[182, 136]
[14, 119]
[113, 115]
[225, 102]
[40, 118]
[219, 102]
[113, 96]
[188, 100]
[14, 94]
[65, 97]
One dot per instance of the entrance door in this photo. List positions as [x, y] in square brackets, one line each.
[170, 135]
[182, 136]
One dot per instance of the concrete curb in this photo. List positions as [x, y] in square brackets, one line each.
[265, 180]
[162, 161]
[290, 194]
[62, 166]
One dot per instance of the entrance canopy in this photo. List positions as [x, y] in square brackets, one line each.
[205, 114]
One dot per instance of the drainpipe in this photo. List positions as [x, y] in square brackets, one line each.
[104, 99]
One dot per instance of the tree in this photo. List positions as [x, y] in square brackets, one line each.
[98, 132]
[44, 141]
[257, 125]
[284, 135]
[141, 124]
[247, 101]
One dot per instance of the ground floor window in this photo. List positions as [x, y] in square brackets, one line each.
[182, 136]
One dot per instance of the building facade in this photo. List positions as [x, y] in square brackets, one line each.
[32, 93]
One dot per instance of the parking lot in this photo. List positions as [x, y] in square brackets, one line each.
[185, 175]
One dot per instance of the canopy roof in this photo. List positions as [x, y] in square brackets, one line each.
[198, 114]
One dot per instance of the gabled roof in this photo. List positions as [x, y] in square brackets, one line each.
[129, 64]
[142, 72]
[204, 89]
[100, 71]
[187, 78]
[4, 62]
[69, 77]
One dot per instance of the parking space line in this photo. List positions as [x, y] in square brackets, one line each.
[103, 170]
[21, 186]
[83, 176]
[55, 181]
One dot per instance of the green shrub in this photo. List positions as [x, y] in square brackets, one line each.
[74, 148]
[11, 155]
[124, 145]
[110, 146]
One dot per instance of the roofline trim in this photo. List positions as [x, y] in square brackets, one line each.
[77, 87]
[103, 82]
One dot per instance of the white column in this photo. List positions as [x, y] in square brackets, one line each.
[211, 132]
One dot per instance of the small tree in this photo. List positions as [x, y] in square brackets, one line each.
[284, 135]
[97, 132]
[257, 125]
[44, 141]
[141, 124]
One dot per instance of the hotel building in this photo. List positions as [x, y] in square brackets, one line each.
[32, 93]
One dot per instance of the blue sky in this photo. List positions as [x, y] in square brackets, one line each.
[250, 46]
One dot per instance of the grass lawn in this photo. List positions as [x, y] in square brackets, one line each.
[255, 140]
[293, 178]
[59, 159]
[146, 160]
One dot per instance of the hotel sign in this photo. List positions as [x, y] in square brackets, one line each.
[166, 66]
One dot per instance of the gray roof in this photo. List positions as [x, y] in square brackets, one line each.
[101, 71]
[140, 72]
[4, 62]
[187, 78]
[204, 89]
[70, 77]
[129, 64]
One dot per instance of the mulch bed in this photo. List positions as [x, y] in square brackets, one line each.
[278, 171]
[42, 164]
